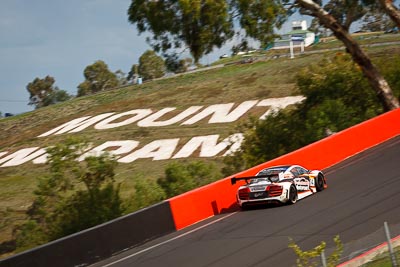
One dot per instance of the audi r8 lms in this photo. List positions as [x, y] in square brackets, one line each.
[279, 184]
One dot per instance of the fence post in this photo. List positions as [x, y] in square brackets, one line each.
[323, 258]
[291, 48]
[392, 255]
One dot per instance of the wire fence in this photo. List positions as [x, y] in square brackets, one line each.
[372, 250]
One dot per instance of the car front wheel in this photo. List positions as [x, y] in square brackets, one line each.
[319, 182]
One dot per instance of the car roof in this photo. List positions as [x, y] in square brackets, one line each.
[279, 167]
[285, 167]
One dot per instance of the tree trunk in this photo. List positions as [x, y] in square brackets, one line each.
[377, 81]
[391, 10]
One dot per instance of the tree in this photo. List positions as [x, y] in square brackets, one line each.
[151, 65]
[133, 73]
[188, 22]
[346, 12]
[56, 96]
[259, 18]
[180, 178]
[377, 81]
[39, 89]
[74, 196]
[121, 77]
[176, 65]
[198, 25]
[337, 97]
[97, 78]
[43, 92]
[391, 10]
[147, 193]
[376, 21]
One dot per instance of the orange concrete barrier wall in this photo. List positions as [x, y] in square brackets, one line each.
[219, 197]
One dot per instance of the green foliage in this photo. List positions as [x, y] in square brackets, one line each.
[176, 65]
[133, 73]
[74, 196]
[97, 78]
[260, 18]
[346, 12]
[180, 178]
[147, 193]
[337, 93]
[337, 97]
[85, 209]
[198, 25]
[29, 235]
[376, 21]
[121, 77]
[310, 258]
[151, 66]
[44, 93]
[56, 96]
[391, 71]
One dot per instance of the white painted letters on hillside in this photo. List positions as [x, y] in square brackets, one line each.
[209, 146]
[113, 147]
[151, 120]
[278, 103]
[126, 150]
[222, 113]
[77, 125]
[133, 116]
[158, 150]
[219, 113]
[21, 156]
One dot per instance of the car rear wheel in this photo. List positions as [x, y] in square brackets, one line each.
[292, 195]
[244, 207]
[319, 182]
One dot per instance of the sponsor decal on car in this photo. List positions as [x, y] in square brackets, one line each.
[257, 188]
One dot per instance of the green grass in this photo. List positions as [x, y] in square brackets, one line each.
[383, 260]
[233, 83]
[365, 40]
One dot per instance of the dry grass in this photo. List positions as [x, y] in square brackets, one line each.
[234, 83]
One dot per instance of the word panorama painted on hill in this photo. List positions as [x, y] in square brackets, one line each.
[126, 150]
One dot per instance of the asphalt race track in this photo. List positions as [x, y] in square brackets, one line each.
[363, 192]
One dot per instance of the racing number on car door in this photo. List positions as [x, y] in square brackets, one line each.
[302, 184]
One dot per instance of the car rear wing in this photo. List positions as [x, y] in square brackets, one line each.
[235, 179]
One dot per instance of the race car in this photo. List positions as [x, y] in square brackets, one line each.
[279, 184]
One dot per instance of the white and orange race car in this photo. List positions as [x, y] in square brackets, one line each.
[279, 184]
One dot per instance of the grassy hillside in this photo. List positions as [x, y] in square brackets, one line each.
[263, 78]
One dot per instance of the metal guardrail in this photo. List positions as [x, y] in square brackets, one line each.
[378, 244]
[100, 242]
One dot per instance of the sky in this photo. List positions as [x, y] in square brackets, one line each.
[60, 38]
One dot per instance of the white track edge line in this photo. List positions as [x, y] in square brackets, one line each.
[169, 240]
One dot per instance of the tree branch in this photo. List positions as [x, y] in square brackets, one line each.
[377, 81]
[391, 10]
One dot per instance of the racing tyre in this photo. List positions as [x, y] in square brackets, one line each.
[292, 195]
[319, 182]
[244, 207]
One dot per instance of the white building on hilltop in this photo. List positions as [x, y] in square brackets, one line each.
[299, 35]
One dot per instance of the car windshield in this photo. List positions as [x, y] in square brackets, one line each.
[272, 173]
[257, 180]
